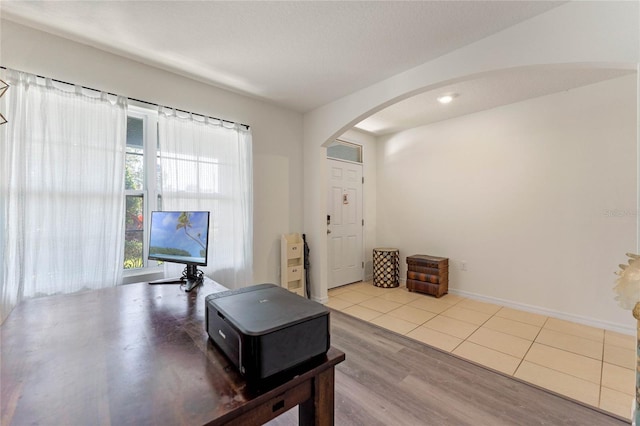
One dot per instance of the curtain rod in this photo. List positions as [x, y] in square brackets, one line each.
[134, 99]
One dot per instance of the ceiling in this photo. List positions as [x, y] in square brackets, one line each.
[303, 54]
[482, 93]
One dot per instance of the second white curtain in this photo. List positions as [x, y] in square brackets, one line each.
[207, 165]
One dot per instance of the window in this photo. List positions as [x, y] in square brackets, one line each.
[141, 184]
[189, 162]
[82, 175]
[342, 150]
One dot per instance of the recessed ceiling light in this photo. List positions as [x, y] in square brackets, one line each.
[445, 99]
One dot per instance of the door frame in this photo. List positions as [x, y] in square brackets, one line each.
[362, 242]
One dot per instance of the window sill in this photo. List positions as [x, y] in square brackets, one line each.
[142, 275]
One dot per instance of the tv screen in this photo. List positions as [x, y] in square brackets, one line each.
[179, 237]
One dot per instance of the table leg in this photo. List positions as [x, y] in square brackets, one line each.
[319, 409]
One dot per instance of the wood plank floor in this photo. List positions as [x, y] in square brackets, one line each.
[388, 379]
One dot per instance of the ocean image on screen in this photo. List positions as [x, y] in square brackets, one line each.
[179, 237]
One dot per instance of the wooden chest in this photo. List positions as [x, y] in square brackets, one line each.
[428, 274]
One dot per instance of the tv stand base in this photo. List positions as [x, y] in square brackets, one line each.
[167, 281]
[191, 278]
[191, 284]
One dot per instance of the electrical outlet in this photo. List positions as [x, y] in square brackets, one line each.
[463, 265]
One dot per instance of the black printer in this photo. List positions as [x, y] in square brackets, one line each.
[265, 329]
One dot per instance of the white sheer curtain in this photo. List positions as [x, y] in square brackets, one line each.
[206, 165]
[62, 182]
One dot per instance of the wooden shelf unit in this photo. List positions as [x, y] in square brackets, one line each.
[292, 263]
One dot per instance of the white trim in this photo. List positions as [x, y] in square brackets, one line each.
[342, 160]
[630, 330]
[322, 300]
[149, 192]
[362, 242]
[346, 142]
[638, 159]
[135, 275]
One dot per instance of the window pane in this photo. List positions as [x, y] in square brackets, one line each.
[134, 232]
[345, 151]
[158, 173]
[135, 131]
[208, 177]
[134, 162]
[134, 169]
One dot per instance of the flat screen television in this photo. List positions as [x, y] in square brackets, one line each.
[180, 237]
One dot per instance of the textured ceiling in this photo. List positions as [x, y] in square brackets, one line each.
[304, 54]
[300, 54]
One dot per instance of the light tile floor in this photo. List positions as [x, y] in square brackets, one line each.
[588, 364]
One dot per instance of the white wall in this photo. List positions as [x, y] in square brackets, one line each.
[538, 198]
[600, 34]
[277, 132]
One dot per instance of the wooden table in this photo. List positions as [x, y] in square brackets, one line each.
[137, 355]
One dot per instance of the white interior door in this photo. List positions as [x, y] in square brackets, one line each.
[344, 228]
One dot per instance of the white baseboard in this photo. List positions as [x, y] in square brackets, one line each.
[322, 300]
[630, 330]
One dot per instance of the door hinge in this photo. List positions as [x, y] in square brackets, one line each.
[362, 265]
[362, 179]
[362, 222]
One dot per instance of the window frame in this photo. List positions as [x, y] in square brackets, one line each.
[357, 148]
[150, 191]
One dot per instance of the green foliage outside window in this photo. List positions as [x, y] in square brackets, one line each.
[134, 225]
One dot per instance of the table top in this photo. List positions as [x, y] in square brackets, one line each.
[132, 354]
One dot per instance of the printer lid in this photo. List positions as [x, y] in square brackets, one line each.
[263, 308]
